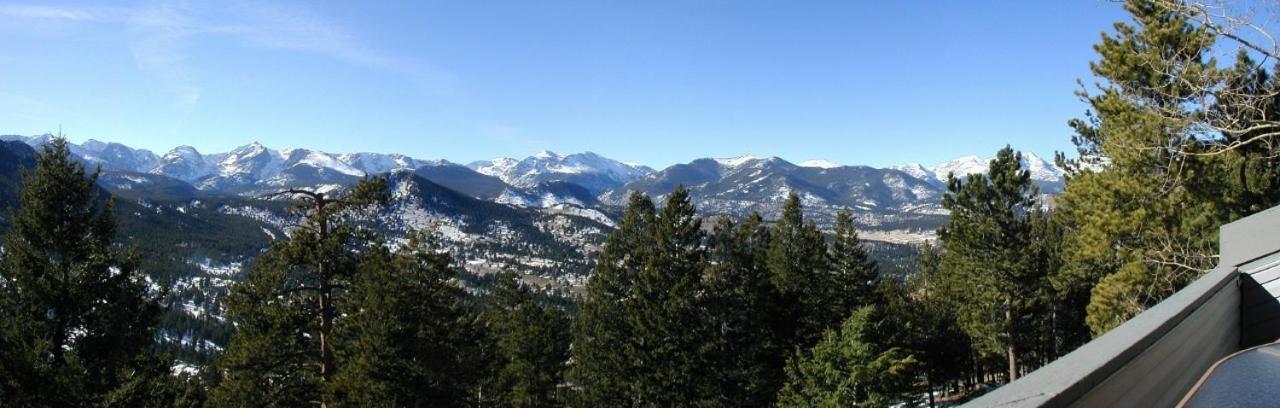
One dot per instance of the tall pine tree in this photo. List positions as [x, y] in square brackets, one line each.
[928, 327]
[987, 272]
[854, 273]
[602, 333]
[76, 318]
[800, 270]
[665, 316]
[405, 339]
[282, 351]
[1142, 221]
[654, 322]
[746, 355]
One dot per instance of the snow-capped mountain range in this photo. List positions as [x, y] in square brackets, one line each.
[734, 185]
[1044, 173]
[743, 184]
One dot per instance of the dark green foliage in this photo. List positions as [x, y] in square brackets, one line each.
[405, 339]
[640, 339]
[14, 158]
[532, 347]
[985, 267]
[674, 317]
[602, 333]
[332, 315]
[666, 313]
[271, 359]
[76, 319]
[854, 273]
[747, 353]
[800, 270]
[850, 367]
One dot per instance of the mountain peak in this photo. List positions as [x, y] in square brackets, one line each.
[736, 160]
[94, 144]
[588, 169]
[821, 164]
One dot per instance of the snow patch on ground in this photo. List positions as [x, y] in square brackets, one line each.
[736, 161]
[588, 213]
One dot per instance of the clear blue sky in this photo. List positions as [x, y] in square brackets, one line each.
[655, 82]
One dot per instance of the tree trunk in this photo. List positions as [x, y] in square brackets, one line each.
[929, 384]
[1013, 363]
[326, 303]
[1009, 332]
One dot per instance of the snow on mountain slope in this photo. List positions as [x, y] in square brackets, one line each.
[115, 156]
[1044, 173]
[743, 184]
[377, 163]
[499, 167]
[960, 167]
[916, 170]
[1041, 169]
[254, 160]
[590, 170]
[736, 160]
[320, 160]
[184, 163]
[821, 164]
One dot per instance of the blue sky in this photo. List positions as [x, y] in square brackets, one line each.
[655, 82]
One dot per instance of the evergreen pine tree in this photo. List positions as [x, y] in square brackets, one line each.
[602, 334]
[640, 339]
[76, 318]
[987, 272]
[532, 346]
[746, 354]
[1143, 221]
[282, 351]
[405, 339]
[800, 270]
[854, 273]
[666, 316]
[849, 367]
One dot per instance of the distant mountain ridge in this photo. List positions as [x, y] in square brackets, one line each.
[732, 185]
[255, 168]
[739, 185]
